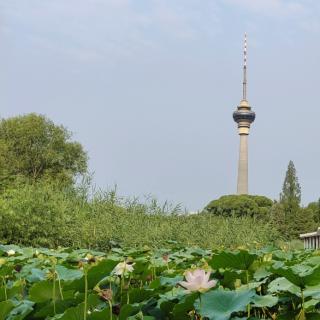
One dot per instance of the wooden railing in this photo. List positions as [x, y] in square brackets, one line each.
[311, 240]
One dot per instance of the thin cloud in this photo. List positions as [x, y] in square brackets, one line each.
[93, 29]
[303, 13]
[278, 8]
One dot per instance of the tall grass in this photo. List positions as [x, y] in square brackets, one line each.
[45, 214]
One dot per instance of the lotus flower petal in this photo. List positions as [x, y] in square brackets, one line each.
[198, 280]
[122, 268]
[11, 252]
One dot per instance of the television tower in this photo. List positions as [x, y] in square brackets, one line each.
[244, 116]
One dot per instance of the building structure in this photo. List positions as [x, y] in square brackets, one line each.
[311, 240]
[243, 116]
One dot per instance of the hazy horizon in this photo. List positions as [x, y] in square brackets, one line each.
[149, 88]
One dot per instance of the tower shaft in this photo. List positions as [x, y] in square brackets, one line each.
[242, 187]
[244, 117]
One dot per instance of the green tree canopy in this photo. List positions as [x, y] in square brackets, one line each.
[315, 207]
[302, 222]
[239, 205]
[33, 147]
[291, 223]
[288, 216]
[291, 191]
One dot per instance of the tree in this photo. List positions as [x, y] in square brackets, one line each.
[32, 147]
[240, 205]
[294, 219]
[315, 207]
[302, 222]
[278, 220]
[291, 191]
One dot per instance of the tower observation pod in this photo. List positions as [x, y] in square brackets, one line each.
[243, 116]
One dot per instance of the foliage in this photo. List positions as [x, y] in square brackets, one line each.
[39, 214]
[290, 218]
[67, 284]
[239, 205]
[279, 220]
[33, 147]
[302, 222]
[48, 214]
[290, 226]
[315, 207]
[40, 204]
[291, 191]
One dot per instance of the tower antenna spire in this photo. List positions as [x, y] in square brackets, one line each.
[244, 95]
[244, 117]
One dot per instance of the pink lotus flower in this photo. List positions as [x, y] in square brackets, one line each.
[198, 280]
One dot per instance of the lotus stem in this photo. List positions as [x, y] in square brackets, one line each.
[54, 291]
[128, 296]
[302, 302]
[85, 293]
[247, 279]
[5, 288]
[110, 307]
[60, 287]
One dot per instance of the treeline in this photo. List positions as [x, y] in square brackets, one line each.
[286, 215]
[47, 199]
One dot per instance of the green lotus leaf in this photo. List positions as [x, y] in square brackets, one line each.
[231, 278]
[167, 306]
[43, 291]
[299, 274]
[11, 291]
[282, 285]
[140, 316]
[264, 301]
[313, 316]
[94, 275]
[103, 314]
[47, 309]
[171, 282]
[251, 285]
[21, 311]
[6, 270]
[66, 274]
[128, 310]
[311, 304]
[312, 291]
[221, 304]
[5, 308]
[313, 261]
[240, 260]
[76, 313]
[137, 295]
[282, 255]
[261, 273]
[181, 309]
[36, 275]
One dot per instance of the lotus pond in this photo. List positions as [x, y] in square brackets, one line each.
[177, 283]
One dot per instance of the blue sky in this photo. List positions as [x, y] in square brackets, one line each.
[149, 86]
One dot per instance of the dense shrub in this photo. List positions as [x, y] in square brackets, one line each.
[39, 214]
[239, 205]
[290, 226]
[315, 208]
[45, 214]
